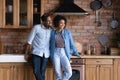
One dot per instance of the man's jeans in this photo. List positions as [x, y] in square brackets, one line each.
[62, 65]
[39, 67]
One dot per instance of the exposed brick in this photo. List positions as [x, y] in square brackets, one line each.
[82, 27]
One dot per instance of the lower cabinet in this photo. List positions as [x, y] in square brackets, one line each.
[6, 72]
[49, 74]
[21, 71]
[18, 71]
[95, 69]
[117, 69]
[15, 71]
[28, 73]
[99, 69]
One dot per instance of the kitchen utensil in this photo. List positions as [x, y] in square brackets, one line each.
[103, 40]
[106, 3]
[99, 17]
[96, 5]
[96, 16]
[114, 22]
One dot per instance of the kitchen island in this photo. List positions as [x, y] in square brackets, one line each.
[97, 67]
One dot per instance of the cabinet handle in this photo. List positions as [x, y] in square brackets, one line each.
[77, 61]
[10, 66]
[98, 61]
[13, 66]
[113, 59]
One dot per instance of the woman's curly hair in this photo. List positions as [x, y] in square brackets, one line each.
[56, 20]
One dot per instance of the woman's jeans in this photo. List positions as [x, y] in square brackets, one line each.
[62, 65]
[39, 66]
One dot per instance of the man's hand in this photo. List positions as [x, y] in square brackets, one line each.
[27, 51]
[27, 57]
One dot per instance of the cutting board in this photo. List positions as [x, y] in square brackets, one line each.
[103, 40]
[78, 46]
[114, 51]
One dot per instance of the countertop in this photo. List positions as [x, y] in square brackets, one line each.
[96, 56]
[12, 58]
[20, 57]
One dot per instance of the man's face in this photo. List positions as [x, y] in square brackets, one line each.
[48, 22]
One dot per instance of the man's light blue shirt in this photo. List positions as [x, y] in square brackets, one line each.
[39, 38]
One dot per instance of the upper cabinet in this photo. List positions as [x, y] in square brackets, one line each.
[1, 21]
[20, 13]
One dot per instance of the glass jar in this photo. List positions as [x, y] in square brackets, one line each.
[35, 9]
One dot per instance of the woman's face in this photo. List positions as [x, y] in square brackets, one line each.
[61, 24]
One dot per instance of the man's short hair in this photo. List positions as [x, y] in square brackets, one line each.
[45, 16]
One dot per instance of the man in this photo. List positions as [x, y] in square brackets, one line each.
[39, 40]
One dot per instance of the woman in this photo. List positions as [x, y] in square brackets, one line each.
[61, 48]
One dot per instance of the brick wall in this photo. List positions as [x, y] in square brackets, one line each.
[13, 39]
[83, 28]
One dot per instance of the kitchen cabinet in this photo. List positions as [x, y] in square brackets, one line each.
[28, 72]
[117, 69]
[20, 13]
[99, 69]
[6, 72]
[21, 71]
[18, 71]
[50, 74]
[1, 14]
[11, 71]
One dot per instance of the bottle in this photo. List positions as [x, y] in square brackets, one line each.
[35, 10]
[94, 50]
[10, 8]
[106, 50]
[88, 52]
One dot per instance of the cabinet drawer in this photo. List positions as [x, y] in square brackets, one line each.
[77, 61]
[99, 61]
